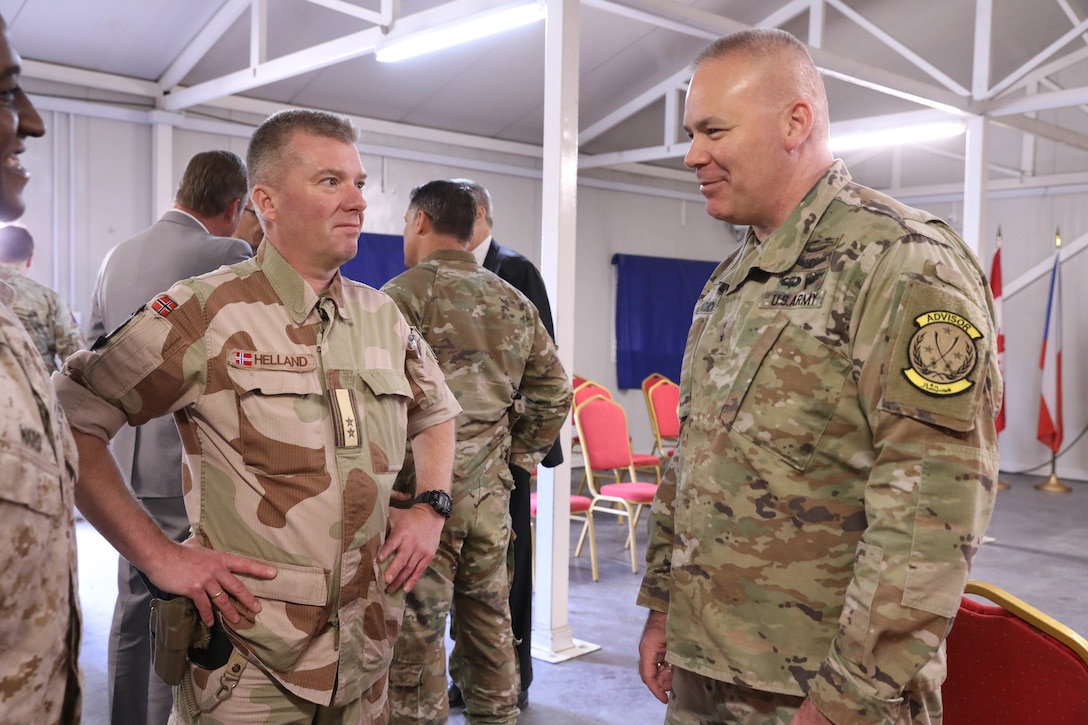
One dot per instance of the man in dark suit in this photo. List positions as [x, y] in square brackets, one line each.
[189, 240]
[522, 274]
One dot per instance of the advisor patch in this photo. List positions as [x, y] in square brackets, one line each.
[942, 353]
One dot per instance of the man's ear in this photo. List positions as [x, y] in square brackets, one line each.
[798, 122]
[264, 202]
[421, 221]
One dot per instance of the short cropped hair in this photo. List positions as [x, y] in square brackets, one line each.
[212, 180]
[482, 196]
[450, 205]
[267, 156]
[16, 244]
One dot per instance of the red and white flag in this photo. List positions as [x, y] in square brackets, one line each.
[995, 289]
[1050, 429]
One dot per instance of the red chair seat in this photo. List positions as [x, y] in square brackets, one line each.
[645, 460]
[578, 504]
[636, 492]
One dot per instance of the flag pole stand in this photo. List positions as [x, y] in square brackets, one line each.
[1052, 484]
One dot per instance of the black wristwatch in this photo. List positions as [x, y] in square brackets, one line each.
[440, 501]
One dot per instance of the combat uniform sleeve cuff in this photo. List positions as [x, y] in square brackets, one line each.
[846, 701]
[653, 594]
[526, 461]
[85, 411]
[423, 418]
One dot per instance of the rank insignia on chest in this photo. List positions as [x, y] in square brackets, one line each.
[164, 305]
[942, 353]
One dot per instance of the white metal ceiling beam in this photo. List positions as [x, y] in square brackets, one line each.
[199, 46]
[1038, 102]
[1042, 129]
[1039, 58]
[89, 78]
[918, 61]
[325, 54]
[258, 33]
[382, 17]
[636, 104]
[830, 64]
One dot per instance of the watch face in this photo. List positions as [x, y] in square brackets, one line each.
[440, 501]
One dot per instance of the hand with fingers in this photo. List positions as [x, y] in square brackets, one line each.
[412, 541]
[205, 576]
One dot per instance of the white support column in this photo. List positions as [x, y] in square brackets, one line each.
[553, 639]
[162, 168]
[974, 183]
[976, 161]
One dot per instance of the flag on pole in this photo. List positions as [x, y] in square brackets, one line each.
[1050, 428]
[995, 289]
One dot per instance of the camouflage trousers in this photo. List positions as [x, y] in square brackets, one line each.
[471, 572]
[259, 700]
[699, 700]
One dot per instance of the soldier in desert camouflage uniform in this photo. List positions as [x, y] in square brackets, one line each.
[501, 364]
[42, 311]
[295, 391]
[40, 683]
[838, 459]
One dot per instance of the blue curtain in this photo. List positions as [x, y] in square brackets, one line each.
[380, 259]
[655, 297]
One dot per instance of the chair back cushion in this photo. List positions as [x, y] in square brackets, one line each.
[602, 430]
[665, 397]
[1003, 671]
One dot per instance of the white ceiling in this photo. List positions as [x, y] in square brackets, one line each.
[1021, 63]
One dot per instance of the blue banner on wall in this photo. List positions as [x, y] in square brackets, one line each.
[655, 297]
[380, 258]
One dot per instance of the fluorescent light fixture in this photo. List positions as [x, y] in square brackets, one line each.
[473, 28]
[900, 136]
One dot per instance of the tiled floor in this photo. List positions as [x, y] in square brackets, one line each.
[1037, 553]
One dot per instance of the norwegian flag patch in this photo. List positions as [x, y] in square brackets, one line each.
[242, 359]
[164, 305]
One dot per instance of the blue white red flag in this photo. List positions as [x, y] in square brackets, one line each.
[1051, 429]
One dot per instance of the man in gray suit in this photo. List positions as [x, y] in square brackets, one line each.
[187, 241]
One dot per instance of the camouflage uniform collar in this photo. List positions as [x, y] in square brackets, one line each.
[780, 251]
[297, 296]
[459, 255]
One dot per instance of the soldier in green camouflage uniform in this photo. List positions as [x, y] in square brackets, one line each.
[838, 458]
[501, 364]
[40, 682]
[295, 391]
[43, 313]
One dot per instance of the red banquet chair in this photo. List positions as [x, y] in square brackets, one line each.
[663, 401]
[606, 446]
[1010, 664]
[581, 509]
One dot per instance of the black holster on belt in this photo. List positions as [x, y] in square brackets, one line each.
[178, 637]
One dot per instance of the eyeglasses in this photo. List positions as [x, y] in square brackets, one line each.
[251, 211]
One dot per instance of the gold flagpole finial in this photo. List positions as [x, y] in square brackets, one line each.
[1058, 237]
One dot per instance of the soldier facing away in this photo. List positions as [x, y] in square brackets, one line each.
[42, 311]
[502, 365]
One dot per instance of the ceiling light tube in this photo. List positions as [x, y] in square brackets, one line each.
[473, 28]
[903, 135]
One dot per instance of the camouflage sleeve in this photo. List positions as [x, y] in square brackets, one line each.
[924, 334]
[151, 365]
[546, 394]
[654, 591]
[66, 332]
